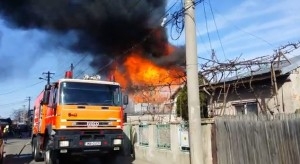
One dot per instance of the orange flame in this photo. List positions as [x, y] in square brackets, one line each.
[147, 78]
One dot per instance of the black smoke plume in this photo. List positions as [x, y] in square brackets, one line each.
[105, 29]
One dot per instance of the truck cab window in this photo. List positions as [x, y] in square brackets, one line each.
[72, 93]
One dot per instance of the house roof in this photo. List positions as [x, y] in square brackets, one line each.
[282, 68]
[295, 63]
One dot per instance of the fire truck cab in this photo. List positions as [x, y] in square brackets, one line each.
[78, 117]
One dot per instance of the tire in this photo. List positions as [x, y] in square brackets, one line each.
[36, 151]
[51, 157]
[32, 148]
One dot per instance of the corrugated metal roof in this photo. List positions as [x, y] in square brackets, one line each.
[295, 63]
[284, 67]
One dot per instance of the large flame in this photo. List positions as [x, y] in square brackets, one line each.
[146, 80]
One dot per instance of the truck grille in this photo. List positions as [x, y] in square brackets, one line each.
[92, 124]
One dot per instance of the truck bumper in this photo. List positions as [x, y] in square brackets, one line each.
[87, 141]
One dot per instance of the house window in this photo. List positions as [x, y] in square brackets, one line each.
[246, 108]
[240, 110]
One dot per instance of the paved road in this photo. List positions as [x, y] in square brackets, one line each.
[14, 146]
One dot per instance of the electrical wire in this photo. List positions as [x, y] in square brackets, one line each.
[175, 20]
[13, 103]
[207, 26]
[134, 5]
[62, 74]
[213, 15]
[240, 29]
[179, 29]
[175, 17]
[19, 89]
[145, 38]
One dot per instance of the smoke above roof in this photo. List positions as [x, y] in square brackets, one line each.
[105, 29]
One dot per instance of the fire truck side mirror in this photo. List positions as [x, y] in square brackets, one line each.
[125, 100]
[46, 97]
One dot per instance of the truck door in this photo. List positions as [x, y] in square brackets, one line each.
[51, 110]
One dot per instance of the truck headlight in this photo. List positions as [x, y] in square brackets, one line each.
[63, 143]
[117, 141]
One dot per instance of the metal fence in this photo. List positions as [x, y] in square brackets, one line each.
[163, 136]
[143, 134]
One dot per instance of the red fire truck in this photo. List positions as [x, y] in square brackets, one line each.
[78, 117]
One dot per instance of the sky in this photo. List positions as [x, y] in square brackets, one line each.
[246, 29]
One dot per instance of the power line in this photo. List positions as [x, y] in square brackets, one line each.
[213, 15]
[135, 4]
[22, 88]
[257, 37]
[179, 14]
[146, 37]
[130, 9]
[13, 103]
[19, 89]
[207, 26]
[175, 17]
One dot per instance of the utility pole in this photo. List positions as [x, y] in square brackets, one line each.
[195, 135]
[28, 112]
[23, 114]
[29, 99]
[72, 68]
[48, 76]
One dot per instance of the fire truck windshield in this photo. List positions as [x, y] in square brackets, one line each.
[76, 93]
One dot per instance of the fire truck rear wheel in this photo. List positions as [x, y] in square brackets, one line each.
[37, 155]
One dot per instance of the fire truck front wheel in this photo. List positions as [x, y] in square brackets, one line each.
[37, 155]
[51, 157]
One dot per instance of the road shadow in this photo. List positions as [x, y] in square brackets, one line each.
[16, 159]
[27, 159]
[9, 142]
[95, 160]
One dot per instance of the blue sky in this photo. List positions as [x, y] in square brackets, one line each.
[250, 28]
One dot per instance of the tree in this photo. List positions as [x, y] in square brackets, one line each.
[182, 104]
[19, 115]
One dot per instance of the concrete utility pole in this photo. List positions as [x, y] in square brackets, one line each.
[195, 135]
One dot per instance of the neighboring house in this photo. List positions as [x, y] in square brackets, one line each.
[258, 91]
